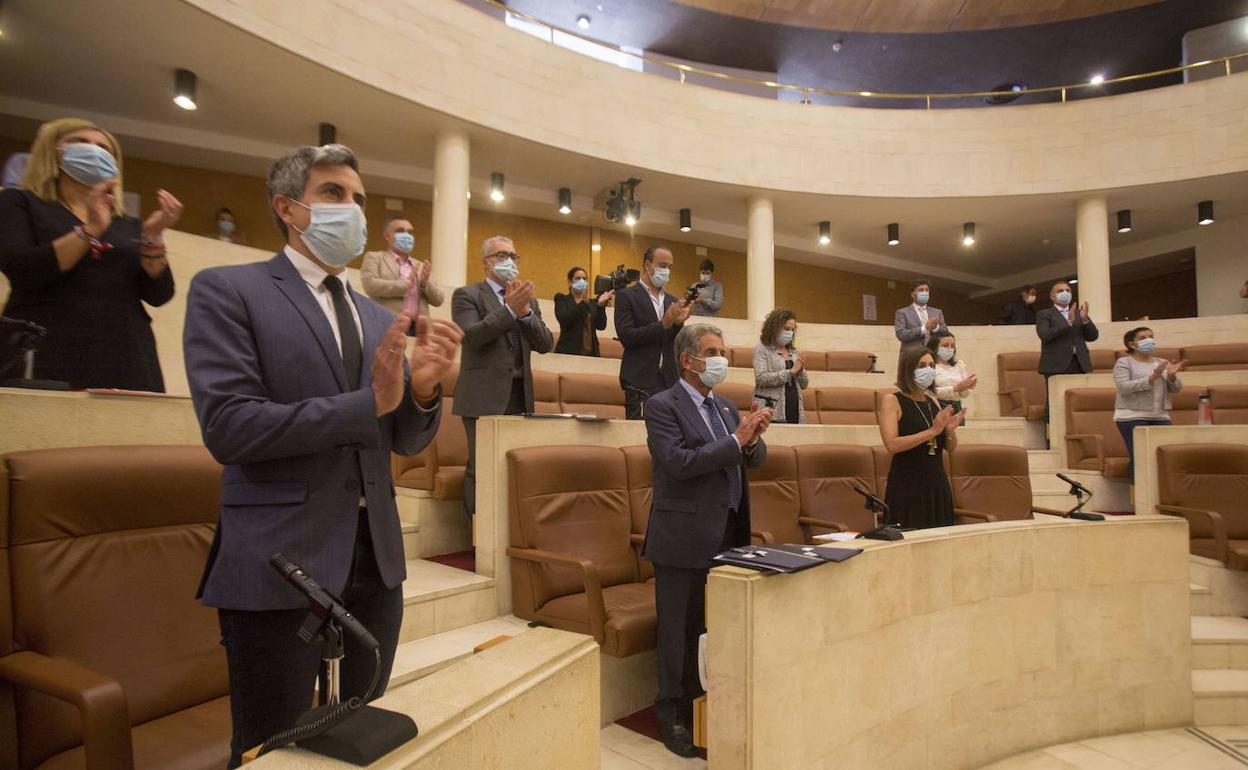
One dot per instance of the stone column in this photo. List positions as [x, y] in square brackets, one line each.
[449, 248]
[1092, 256]
[760, 259]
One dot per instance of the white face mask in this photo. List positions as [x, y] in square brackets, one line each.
[706, 277]
[716, 370]
[337, 232]
[924, 376]
[1063, 298]
[785, 337]
[660, 276]
[506, 270]
[945, 353]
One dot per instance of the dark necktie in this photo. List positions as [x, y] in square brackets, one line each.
[719, 431]
[348, 332]
[513, 342]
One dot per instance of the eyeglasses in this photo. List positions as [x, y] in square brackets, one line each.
[501, 255]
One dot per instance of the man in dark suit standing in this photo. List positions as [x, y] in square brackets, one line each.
[502, 327]
[914, 324]
[302, 392]
[1064, 333]
[1020, 311]
[647, 320]
[700, 448]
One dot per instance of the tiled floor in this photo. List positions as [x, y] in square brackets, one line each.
[1211, 748]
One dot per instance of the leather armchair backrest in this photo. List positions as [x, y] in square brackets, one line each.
[826, 475]
[1209, 477]
[991, 479]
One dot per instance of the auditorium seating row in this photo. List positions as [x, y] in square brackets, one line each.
[1207, 484]
[101, 638]
[1020, 387]
[578, 518]
[1094, 443]
[816, 360]
[440, 469]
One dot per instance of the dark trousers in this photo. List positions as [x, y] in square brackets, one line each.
[515, 405]
[1126, 428]
[272, 673]
[680, 603]
[1074, 367]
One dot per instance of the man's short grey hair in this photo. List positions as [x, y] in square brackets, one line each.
[288, 175]
[485, 245]
[689, 338]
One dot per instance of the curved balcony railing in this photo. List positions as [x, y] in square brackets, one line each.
[926, 100]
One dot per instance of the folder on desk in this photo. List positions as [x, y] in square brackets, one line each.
[783, 558]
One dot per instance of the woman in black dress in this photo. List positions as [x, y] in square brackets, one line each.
[915, 430]
[581, 315]
[79, 267]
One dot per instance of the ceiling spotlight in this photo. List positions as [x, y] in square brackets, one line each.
[825, 233]
[595, 247]
[894, 234]
[1073, 282]
[496, 187]
[583, 21]
[1204, 213]
[838, 45]
[686, 220]
[1015, 90]
[327, 133]
[968, 234]
[634, 212]
[1124, 221]
[1097, 79]
[184, 83]
[565, 200]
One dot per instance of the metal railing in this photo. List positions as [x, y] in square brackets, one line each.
[806, 92]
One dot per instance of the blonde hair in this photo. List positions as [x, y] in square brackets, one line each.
[45, 162]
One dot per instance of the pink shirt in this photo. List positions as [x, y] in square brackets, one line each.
[405, 265]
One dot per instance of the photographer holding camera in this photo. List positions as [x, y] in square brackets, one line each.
[647, 320]
[581, 315]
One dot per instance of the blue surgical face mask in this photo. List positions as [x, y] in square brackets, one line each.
[924, 376]
[659, 279]
[506, 270]
[580, 285]
[921, 297]
[225, 226]
[1063, 298]
[88, 163]
[785, 337]
[337, 233]
[946, 354]
[716, 370]
[404, 242]
[1146, 345]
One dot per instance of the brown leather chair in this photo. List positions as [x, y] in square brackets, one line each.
[883, 461]
[812, 406]
[1020, 388]
[610, 348]
[845, 406]
[640, 472]
[848, 361]
[415, 471]
[1092, 439]
[1103, 360]
[598, 394]
[1183, 405]
[117, 665]
[991, 483]
[1230, 404]
[545, 392]
[739, 393]
[816, 360]
[775, 508]
[1207, 485]
[573, 565]
[741, 357]
[826, 476]
[1232, 355]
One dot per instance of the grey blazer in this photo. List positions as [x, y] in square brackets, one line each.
[270, 392]
[486, 362]
[909, 329]
[710, 299]
[770, 377]
[380, 275]
[1135, 392]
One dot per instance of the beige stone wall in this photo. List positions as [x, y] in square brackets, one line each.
[562, 99]
[953, 648]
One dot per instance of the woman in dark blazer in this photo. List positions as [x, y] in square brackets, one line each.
[80, 267]
[581, 316]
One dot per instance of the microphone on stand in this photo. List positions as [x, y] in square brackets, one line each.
[880, 508]
[1079, 491]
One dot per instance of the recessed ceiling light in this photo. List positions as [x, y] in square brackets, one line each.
[1097, 79]
[583, 21]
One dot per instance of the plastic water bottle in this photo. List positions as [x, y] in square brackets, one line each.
[1204, 410]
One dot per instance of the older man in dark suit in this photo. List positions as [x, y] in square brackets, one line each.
[647, 320]
[502, 327]
[302, 393]
[700, 448]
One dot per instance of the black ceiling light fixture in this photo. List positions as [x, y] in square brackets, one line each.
[1124, 221]
[1204, 213]
[496, 187]
[968, 234]
[565, 200]
[894, 234]
[184, 86]
[1014, 90]
[825, 233]
[327, 133]
[686, 220]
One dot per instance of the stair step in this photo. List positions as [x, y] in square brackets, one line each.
[1220, 683]
[1045, 460]
[1217, 629]
[422, 657]
[438, 598]
[1197, 588]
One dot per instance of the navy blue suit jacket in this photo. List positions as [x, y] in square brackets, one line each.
[645, 340]
[689, 514]
[270, 391]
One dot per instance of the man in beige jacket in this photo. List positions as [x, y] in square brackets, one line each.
[386, 275]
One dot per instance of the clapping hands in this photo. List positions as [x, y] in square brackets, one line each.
[753, 425]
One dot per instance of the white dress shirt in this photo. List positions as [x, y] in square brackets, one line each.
[658, 310]
[313, 276]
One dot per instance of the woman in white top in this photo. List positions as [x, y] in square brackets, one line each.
[1144, 385]
[953, 385]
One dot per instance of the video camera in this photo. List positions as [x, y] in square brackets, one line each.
[617, 280]
[691, 295]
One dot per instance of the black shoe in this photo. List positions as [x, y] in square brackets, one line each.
[675, 737]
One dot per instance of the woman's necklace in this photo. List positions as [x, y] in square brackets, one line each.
[927, 418]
